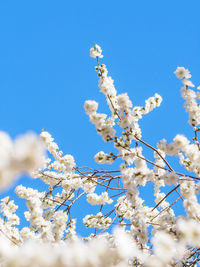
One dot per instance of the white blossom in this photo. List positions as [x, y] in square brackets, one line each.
[188, 83]
[96, 51]
[103, 199]
[90, 106]
[182, 73]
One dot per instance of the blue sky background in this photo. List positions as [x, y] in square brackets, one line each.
[46, 73]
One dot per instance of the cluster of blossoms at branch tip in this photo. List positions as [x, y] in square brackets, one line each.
[146, 233]
[96, 51]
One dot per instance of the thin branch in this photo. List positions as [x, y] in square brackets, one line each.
[165, 197]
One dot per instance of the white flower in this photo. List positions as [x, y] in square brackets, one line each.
[51, 146]
[170, 149]
[29, 152]
[127, 121]
[125, 244]
[103, 158]
[187, 188]
[98, 119]
[181, 141]
[90, 107]
[59, 218]
[182, 73]
[171, 178]
[103, 199]
[97, 221]
[46, 137]
[124, 102]
[128, 156]
[68, 161]
[107, 132]
[96, 51]
[100, 157]
[164, 246]
[190, 231]
[188, 83]
[106, 84]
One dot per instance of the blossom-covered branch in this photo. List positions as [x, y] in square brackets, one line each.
[127, 228]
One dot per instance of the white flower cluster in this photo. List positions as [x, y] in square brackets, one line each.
[189, 154]
[104, 127]
[8, 209]
[182, 73]
[61, 169]
[103, 158]
[97, 221]
[122, 110]
[91, 107]
[190, 96]
[96, 51]
[103, 199]
[48, 225]
[92, 253]
[24, 154]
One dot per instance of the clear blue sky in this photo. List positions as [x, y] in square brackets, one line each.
[46, 73]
